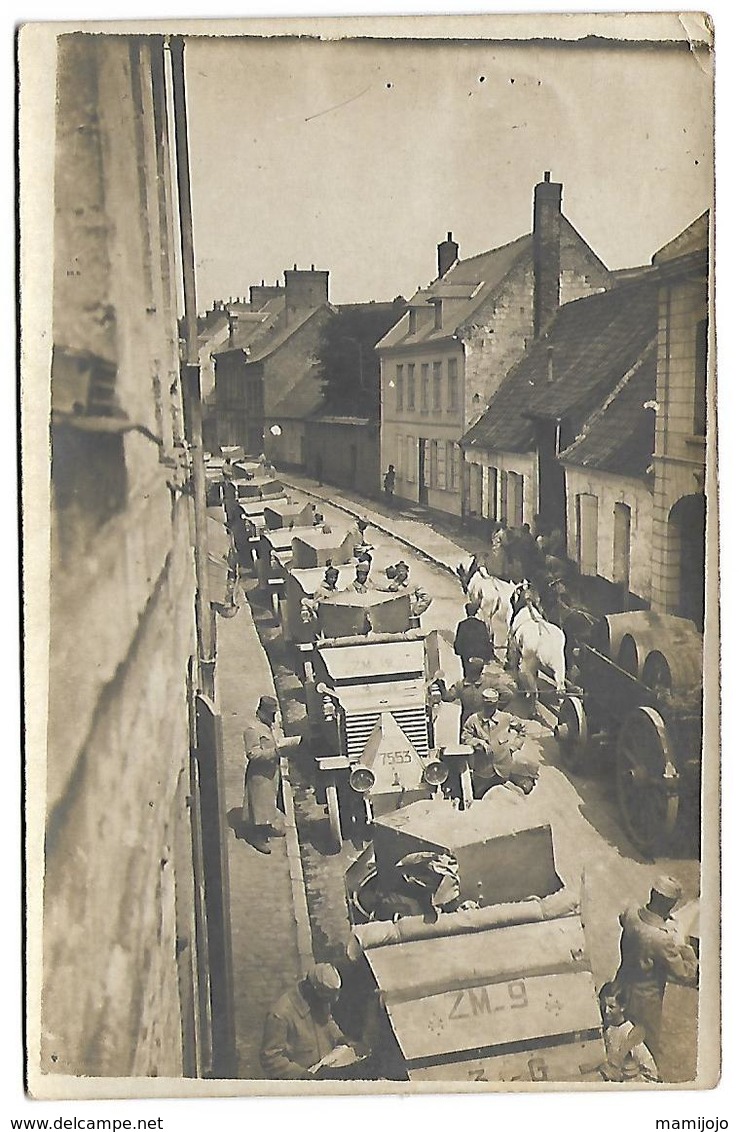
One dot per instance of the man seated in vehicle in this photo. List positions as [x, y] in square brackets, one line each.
[495, 736]
[327, 588]
[361, 583]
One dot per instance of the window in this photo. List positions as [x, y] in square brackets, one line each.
[399, 388]
[492, 493]
[411, 387]
[514, 504]
[587, 533]
[622, 545]
[452, 466]
[433, 452]
[412, 316]
[437, 387]
[438, 315]
[412, 459]
[700, 409]
[424, 388]
[399, 459]
[452, 403]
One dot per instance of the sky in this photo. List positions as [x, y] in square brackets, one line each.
[358, 156]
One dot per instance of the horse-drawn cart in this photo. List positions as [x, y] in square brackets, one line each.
[640, 693]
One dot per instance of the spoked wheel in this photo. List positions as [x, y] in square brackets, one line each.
[334, 818]
[572, 733]
[646, 780]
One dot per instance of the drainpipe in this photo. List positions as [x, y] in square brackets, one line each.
[191, 375]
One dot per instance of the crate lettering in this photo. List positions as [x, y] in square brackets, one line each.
[476, 1000]
[517, 994]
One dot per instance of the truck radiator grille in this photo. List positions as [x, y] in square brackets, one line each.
[412, 722]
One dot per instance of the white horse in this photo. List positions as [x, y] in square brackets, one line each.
[493, 598]
[536, 642]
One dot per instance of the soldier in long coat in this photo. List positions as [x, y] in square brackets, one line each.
[262, 775]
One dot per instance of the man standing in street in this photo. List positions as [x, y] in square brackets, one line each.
[389, 483]
[653, 953]
[299, 1031]
[262, 775]
[472, 639]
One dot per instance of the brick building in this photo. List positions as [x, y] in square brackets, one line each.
[679, 516]
[444, 360]
[269, 354]
[133, 972]
[544, 402]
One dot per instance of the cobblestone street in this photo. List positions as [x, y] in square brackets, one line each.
[589, 840]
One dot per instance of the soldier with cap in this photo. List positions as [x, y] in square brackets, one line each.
[326, 589]
[653, 953]
[262, 775]
[300, 1033]
[496, 736]
[361, 583]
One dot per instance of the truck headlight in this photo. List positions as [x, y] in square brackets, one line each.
[361, 779]
[435, 773]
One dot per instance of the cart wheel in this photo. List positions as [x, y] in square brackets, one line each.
[572, 733]
[334, 818]
[646, 780]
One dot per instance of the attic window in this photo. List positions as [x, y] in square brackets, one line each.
[438, 315]
[412, 321]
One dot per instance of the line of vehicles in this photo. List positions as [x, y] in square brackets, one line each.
[470, 943]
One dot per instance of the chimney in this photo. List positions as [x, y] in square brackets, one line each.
[261, 294]
[546, 237]
[304, 291]
[447, 254]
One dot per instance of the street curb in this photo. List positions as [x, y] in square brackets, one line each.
[546, 716]
[385, 530]
[295, 865]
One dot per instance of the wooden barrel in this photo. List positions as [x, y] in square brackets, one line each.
[657, 648]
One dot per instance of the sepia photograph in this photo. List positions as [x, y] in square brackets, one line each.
[368, 425]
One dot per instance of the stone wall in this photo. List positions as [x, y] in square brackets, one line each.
[679, 462]
[118, 885]
[612, 489]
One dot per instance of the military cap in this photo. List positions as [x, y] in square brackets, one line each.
[324, 978]
[490, 695]
[667, 887]
[267, 703]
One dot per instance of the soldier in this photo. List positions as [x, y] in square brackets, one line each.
[497, 738]
[470, 688]
[472, 638]
[262, 775]
[653, 953]
[361, 583]
[300, 1031]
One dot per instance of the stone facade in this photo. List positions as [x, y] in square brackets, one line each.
[613, 494]
[486, 344]
[682, 418]
[118, 928]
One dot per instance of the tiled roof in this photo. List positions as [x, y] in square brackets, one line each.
[268, 343]
[691, 239]
[467, 284]
[253, 326]
[619, 437]
[569, 373]
[302, 400]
